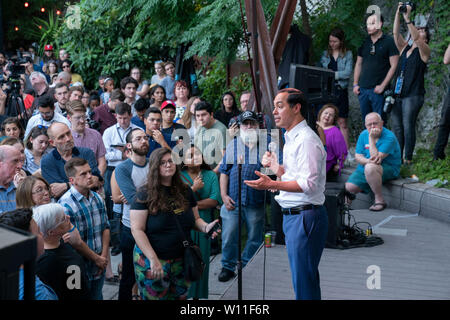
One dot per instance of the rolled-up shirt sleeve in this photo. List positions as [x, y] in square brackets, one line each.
[309, 167]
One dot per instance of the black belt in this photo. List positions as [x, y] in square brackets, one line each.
[298, 209]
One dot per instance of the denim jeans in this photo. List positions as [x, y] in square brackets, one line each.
[96, 288]
[404, 117]
[115, 225]
[253, 217]
[370, 101]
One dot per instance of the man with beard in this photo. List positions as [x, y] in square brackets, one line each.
[52, 164]
[379, 159]
[46, 115]
[245, 149]
[130, 176]
[62, 97]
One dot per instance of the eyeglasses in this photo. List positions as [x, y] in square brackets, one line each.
[40, 126]
[79, 118]
[40, 190]
[49, 113]
[65, 66]
[66, 218]
[163, 163]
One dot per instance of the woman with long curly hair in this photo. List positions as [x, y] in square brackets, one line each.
[158, 254]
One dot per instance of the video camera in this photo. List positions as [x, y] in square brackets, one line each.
[403, 8]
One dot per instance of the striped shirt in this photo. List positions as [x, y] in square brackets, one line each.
[89, 216]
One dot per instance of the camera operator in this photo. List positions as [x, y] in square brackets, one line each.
[409, 87]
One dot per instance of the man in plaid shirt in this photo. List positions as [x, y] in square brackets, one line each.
[88, 214]
[245, 149]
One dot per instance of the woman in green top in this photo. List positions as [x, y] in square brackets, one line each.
[205, 185]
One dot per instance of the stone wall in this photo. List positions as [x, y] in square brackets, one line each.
[430, 113]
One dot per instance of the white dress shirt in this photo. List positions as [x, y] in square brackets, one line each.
[38, 120]
[115, 135]
[304, 161]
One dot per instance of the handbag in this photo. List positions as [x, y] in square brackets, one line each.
[193, 264]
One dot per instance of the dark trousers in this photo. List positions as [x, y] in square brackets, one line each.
[444, 129]
[404, 117]
[107, 187]
[128, 279]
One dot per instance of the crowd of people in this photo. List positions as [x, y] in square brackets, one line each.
[111, 170]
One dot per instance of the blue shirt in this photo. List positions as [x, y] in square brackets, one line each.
[41, 290]
[8, 198]
[137, 121]
[387, 143]
[250, 197]
[90, 218]
[52, 164]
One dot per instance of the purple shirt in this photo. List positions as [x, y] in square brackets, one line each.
[336, 147]
[92, 140]
[104, 117]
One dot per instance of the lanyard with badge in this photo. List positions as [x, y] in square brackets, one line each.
[399, 83]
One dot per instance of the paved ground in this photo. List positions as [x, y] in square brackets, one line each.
[413, 263]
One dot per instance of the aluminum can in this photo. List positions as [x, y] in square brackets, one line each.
[268, 240]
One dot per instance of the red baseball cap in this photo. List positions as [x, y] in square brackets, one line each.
[168, 103]
[48, 47]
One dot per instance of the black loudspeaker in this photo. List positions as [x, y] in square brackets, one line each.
[334, 202]
[317, 84]
[17, 248]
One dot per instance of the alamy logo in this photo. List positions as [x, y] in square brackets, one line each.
[74, 280]
[374, 280]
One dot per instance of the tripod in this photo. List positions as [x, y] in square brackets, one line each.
[15, 107]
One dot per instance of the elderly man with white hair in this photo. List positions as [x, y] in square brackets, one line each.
[379, 159]
[11, 162]
[60, 267]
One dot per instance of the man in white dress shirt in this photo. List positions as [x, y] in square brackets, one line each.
[301, 184]
[46, 115]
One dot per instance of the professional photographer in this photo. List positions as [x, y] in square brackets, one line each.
[409, 86]
[11, 100]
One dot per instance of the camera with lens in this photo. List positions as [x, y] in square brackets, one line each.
[92, 123]
[15, 66]
[403, 8]
[389, 100]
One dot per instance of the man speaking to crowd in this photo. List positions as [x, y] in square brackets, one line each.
[301, 185]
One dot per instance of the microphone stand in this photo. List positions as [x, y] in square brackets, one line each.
[239, 263]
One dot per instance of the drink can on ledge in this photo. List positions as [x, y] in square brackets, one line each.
[268, 240]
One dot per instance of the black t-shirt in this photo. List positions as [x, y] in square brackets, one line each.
[225, 117]
[53, 269]
[414, 74]
[162, 230]
[376, 66]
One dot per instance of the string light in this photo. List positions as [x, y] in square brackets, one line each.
[58, 12]
[26, 4]
[16, 28]
[42, 9]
